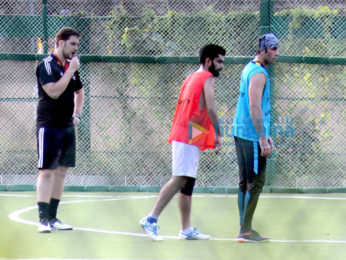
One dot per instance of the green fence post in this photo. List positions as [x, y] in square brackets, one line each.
[266, 16]
[45, 26]
[83, 25]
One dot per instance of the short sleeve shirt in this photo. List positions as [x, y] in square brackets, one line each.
[55, 112]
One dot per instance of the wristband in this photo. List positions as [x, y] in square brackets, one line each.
[217, 129]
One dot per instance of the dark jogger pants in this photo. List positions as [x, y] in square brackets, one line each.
[251, 179]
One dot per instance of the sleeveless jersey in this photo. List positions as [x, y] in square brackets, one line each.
[242, 124]
[190, 124]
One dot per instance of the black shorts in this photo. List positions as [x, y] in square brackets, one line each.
[251, 165]
[56, 147]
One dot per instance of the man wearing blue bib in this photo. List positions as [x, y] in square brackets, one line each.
[251, 131]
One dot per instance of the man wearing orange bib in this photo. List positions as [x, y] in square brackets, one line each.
[195, 128]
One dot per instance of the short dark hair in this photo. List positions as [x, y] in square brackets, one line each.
[210, 51]
[65, 33]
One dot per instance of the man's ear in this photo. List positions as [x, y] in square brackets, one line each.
[60, 43]
[207, 63]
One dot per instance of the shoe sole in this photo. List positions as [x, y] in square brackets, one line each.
[62, 229]
[183, 238]
[157, 240]
[244, 240]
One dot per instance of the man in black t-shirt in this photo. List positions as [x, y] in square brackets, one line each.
[61, 100]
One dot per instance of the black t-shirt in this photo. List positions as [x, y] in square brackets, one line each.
[55, 112]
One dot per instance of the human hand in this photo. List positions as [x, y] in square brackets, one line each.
[74, 64]
[271, 143]
[266, 149]
[76, 120]
[218, 144]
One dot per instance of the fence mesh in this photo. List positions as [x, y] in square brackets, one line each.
[130, 102]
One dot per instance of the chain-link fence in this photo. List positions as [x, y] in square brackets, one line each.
[135, 55]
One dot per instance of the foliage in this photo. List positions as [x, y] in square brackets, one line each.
[301, 31]
[312, 104]
[314, 31]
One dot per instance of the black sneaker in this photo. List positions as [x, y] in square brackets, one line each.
[251, 237]
[44, 226]
[56, 224]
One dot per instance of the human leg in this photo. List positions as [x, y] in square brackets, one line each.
[59, 181]
[44, 190]
[58, 188]
[45, 185]
[254, 166]
[185, 160]
[254, 189]
[48, 149]
[149, 223]
[166, 194]
[241, 158]
[185, 163]
[66, 160]
[184, 202]
[55, 147]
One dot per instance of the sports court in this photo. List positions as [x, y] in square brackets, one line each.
[106, 226]
[134, 56]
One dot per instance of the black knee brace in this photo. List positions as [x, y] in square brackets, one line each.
[187, 189]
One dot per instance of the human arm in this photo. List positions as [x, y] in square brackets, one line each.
[55, 89]
[209, 95]
[256, 87]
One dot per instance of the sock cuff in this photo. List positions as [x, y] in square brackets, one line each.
[151, 219]
[40, 204]
[188, 230]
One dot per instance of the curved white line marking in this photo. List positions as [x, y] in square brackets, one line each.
[15, 216]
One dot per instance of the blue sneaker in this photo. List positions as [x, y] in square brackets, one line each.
[193, 235]
[150, 229]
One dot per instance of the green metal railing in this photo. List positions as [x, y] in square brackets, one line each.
[133, 62]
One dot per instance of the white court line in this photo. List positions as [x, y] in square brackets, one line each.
[264, 196]
[45, 258]
[15, 216]
[16, 195]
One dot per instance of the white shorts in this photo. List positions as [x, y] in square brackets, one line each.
[185, 159]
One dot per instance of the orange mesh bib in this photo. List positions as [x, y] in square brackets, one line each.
[190, 124]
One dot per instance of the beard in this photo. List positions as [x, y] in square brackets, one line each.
[67, 55]
[214, 71]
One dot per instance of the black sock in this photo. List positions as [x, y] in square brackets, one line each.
[43, 210]
[53, 208]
